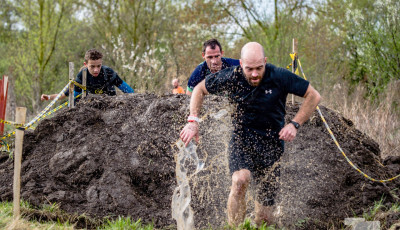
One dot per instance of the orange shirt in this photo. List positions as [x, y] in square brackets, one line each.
[178, 90]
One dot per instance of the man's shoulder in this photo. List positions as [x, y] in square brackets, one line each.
[199, 68]
[202, 66]
[230, 61]
[276, 71]
[230, 73]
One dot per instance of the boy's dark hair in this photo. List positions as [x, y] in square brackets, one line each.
[93, 54]
[212, 43]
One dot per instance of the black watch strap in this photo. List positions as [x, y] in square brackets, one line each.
[296, 125]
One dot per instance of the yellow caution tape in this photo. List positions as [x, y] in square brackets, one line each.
[5, 144]
[337, 143]
[42, 114]
[11, 123]
[294, 59]
[7, 135]
[79, 85]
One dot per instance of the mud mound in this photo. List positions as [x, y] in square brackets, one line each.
[113, 156]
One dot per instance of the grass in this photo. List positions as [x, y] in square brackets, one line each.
[9, 223]
[380, 119]
[374, 210]
[126, 223]
[247, 225]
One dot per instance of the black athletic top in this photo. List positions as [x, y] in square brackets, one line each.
[260, 108]
[102, 84]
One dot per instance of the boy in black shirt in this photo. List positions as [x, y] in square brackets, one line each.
[100, 79]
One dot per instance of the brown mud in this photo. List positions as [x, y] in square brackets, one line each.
[114, 156]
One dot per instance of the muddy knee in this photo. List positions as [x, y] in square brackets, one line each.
[240, 182]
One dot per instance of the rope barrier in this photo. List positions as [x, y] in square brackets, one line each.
[42, 114]
[11, 123]
[337, 143]
[47, 107]
[7, 135]
[79, 85]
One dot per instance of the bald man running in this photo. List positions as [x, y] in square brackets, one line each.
[258, 90]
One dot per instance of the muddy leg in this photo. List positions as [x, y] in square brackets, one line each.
[237, 197]
[263, 213]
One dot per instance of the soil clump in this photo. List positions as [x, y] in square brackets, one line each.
[114, 156]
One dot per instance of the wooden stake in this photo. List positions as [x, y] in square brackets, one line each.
[71, 86]
[294, 50]
[19, 139]
[3, 101]
[84, 74]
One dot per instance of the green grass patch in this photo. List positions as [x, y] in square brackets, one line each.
[378, 207]
[8, 222]
[50, 216]
[126, 223]
[248, 225]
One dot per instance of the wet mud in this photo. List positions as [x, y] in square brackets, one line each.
[114, 156]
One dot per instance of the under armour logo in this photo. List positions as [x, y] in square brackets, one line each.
[268, 91]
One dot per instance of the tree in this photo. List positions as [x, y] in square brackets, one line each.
[151, 42]
[41, 23]
[373, 35]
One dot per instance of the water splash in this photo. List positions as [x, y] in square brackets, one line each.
[181, 210]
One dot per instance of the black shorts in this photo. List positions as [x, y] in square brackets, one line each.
[260, 155]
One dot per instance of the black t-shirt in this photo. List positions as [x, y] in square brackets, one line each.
[260, 108]
[102, 84]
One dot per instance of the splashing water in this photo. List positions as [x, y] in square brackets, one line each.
[181, 210]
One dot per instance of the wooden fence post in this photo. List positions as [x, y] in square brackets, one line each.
[19, 139]
[71, 86]
[3, 101]
[294, 50]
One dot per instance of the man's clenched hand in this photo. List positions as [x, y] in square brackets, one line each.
[189, 131]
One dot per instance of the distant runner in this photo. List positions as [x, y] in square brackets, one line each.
[177, 88]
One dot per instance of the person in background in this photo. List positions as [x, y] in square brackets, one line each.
[177, 88]
[213, 62]
[100, 79]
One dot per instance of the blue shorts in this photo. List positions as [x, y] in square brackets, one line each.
[257, 153]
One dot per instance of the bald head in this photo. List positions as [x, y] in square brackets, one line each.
[252, 61]
[252, 50]
[175, 83]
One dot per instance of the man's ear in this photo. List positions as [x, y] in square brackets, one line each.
[85, 64]
[265, 60]
[240, 62]
[222, 53]
[203, 55]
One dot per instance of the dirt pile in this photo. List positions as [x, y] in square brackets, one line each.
[113, 156]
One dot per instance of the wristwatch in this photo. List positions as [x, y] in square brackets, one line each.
[296, 125]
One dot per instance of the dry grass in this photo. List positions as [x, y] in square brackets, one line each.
[379, 120]
[22, 224]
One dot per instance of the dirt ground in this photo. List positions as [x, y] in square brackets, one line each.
[114, 156]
